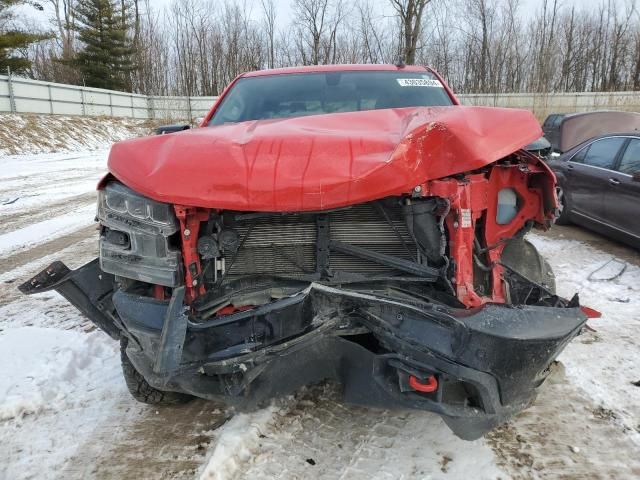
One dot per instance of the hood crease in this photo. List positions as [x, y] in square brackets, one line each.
[319, 162]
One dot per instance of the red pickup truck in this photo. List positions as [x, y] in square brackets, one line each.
[349, 223]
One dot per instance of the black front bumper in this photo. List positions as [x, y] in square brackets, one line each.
[488, 362]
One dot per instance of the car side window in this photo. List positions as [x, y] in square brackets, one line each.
[630, 162]
[549, 121]
[579, 157]
[602, 153]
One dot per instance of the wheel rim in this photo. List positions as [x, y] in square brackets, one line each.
[560, 195]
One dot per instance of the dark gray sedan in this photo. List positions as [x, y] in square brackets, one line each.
[599, 186]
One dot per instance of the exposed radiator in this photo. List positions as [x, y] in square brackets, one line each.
[286, 244]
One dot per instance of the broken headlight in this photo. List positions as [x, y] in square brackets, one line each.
[122, 204]
[135, 237]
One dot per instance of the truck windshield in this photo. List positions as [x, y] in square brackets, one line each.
[296, 95]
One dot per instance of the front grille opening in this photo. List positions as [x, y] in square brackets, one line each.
[291, 244]
[276, 244]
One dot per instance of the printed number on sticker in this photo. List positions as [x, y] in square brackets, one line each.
[419, 82]
[466, 218]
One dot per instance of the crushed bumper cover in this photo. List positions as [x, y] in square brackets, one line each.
[488, 362]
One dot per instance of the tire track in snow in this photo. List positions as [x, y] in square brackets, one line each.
[76, 247]
[116, 436]
[37, 213]
[34, 234]
[129, 440]
[16, 186]
[320, 437]
[159, 442]
[121, 438]
[584, 423]
[565, 435]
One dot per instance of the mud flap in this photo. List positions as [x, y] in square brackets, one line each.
[88, 288]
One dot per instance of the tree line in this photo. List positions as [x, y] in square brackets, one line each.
[196, 47]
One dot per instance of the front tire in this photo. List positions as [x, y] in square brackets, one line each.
[563, 208]
[523, 257]
[140, 388]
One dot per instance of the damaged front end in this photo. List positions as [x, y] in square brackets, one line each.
[430, 300]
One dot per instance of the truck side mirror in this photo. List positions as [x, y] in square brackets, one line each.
[171, 129]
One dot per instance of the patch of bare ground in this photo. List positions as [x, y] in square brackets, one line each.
[161, 443]
[565, 436]
[32, 133]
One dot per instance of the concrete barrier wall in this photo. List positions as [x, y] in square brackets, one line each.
[545, 104]
[21, 95]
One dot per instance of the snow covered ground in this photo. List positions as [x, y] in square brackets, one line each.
[585, 423]
[65, 412]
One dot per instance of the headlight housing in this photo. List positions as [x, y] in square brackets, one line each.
[119, 203]
[135, 237]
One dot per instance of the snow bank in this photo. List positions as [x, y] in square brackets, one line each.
[28, 133]
[47, 368]
[58, 390]
[237, 442]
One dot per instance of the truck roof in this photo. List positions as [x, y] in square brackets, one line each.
[336, 68]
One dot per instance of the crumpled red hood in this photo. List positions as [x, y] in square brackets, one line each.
[319, 162]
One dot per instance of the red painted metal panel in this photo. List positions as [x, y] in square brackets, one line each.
[319, 162]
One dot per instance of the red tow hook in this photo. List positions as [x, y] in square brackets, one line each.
[430, 386]
[590, 312]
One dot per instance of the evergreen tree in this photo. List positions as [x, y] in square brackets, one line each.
[12, 40]
[106, 61]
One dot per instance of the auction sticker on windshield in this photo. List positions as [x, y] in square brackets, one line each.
[419, 82]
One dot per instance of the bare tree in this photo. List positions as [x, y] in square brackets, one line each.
[410, 13]
[372, 34]
[65, 24]
[317, 22]
[269, 20]
[196, 47]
